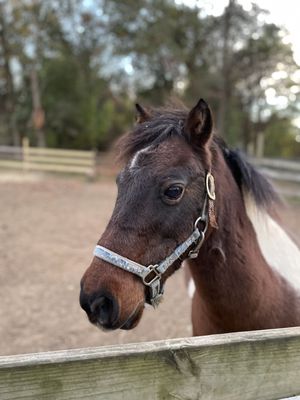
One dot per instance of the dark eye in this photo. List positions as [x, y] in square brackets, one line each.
[173, 193]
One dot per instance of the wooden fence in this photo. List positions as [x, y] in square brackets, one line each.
[284, 173]
[261, 365]
[28, 158]
[282, 170]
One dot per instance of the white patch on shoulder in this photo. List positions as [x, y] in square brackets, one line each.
[191, 288]
[278, 249]
[134, 159]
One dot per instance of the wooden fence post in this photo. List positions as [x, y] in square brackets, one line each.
[25, 151]
[260, 145]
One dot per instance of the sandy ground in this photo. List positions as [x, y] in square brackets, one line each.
[48, 228]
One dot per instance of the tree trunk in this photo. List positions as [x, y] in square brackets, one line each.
[38, 117]
[10, 104]
[226, 81]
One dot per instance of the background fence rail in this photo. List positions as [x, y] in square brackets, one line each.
[28, 158]
[261, 365]
[282, 170]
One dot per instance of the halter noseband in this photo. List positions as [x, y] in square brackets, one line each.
[151, 275]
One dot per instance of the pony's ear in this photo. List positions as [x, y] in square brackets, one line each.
[199, 124]
[142, 115]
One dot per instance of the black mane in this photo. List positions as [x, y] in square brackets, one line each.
[167, 122]
[247, 177]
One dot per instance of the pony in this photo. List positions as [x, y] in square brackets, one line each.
[183, 195]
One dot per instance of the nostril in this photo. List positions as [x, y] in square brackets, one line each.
[105, 309]
[84, 303]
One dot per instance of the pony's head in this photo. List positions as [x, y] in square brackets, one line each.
[161, 193]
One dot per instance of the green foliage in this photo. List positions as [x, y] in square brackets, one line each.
[63, 99]
[83, 53]
[280, 137]
[78, 115]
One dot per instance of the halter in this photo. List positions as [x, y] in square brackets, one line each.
[152, 274]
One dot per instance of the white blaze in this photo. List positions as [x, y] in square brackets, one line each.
[134, 159]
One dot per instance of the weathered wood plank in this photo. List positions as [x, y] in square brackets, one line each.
[33, 158]
[18, 164]
[250, 366]
[10, 150]
[281, 175]
[45, 151]
[276, 163]
[78, 169]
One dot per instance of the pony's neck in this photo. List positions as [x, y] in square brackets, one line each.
[235, 287]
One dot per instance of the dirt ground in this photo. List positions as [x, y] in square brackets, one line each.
[48, 229]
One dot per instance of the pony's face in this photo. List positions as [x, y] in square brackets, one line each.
[160, 195]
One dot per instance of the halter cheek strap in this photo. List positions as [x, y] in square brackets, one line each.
[211, 194]
[151, 275]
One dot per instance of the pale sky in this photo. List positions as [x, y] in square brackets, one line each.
[285, 13]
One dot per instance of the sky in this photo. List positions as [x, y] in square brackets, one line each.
[285, 13]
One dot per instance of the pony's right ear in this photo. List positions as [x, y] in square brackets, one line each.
[199, 124]
[142, 115]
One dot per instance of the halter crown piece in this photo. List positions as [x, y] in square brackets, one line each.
[152, 274]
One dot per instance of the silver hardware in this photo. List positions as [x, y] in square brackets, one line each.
[150, 270]
[204, 221]
[194, 252]
[210, 186]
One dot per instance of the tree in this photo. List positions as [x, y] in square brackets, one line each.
[78, 65]
[10, 95]
[226, 59]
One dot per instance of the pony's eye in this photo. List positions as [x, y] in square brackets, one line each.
[173, 192]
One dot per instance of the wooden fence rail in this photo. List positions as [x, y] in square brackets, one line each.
[28, 158]
[282, 170]
[261, 365]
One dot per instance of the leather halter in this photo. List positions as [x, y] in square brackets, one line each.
[152, 274]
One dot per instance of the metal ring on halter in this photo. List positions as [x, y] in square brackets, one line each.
[194, 253]
[204, 221]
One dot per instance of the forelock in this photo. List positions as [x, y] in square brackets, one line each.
[162, 125]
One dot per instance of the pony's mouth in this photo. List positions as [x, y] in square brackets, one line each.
[129, 323]
[134, 318]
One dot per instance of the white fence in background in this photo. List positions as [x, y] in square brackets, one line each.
[28, 158]
[282, 170]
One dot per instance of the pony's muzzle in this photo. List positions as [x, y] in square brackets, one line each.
[102, 310]
[112, 298]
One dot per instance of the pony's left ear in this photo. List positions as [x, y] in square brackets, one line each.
[142, 115]
[199, 124]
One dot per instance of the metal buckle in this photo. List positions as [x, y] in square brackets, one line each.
[195, 251]
[210, 186]
[155, 289]
[151, 269]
